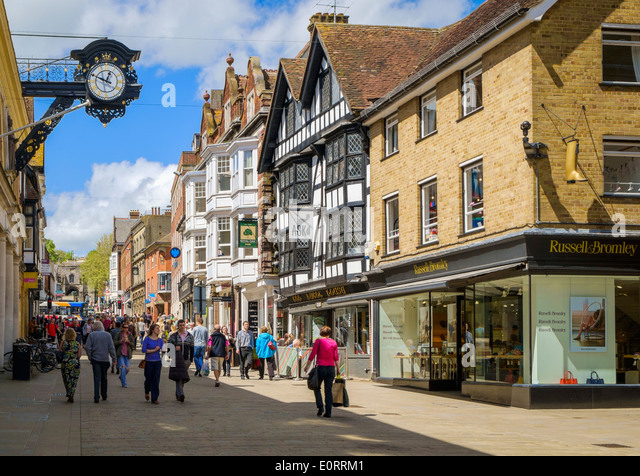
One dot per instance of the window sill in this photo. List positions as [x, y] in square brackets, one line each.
[390, 254]
[475, 111]
[619, 84]
[428, 245]
[427, 136]
[390, 155]
[472, 232]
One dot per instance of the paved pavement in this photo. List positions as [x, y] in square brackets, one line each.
[278, 418]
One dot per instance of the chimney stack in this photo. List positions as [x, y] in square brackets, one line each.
[327, 18]
[133, 214]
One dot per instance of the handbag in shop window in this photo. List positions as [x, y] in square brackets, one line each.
[595, 381]
[568, 379]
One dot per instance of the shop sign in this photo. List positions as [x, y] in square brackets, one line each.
[31, 280]
[253, 317]
[431, 267]
[326, 293]
[248, 233]
[593, 248]
[45, 267]
[596, 251]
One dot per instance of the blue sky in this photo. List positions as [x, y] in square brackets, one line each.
[94, 173]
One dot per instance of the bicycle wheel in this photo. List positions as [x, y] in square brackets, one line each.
[47, 362]
[8, 362]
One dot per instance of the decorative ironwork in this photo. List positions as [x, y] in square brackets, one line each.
[37, 69]
[40, 132]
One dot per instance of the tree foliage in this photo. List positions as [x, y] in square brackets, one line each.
[95, 269]
[56, 255]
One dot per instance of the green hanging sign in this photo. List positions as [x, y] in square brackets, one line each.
[248, 233]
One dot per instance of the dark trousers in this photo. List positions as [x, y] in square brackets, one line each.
[326, 375]
[246, 359]
[267, 361]
[227, 363]
[99, 379]
[152, 372]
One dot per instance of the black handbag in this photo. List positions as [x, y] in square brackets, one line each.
[595, 381]
[313, 383]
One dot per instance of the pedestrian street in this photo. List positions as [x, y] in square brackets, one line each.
[278, 418]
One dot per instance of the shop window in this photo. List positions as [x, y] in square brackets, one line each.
[621, 53]
[497, 332]
[429, 199]
[428, 123]
[351, 329]
[391, 135]
[471, 89]
[621, 167]
[473, 196]
[627, 331]
[392, 214]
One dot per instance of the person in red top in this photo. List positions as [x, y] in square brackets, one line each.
[326, 350]
[51, 329]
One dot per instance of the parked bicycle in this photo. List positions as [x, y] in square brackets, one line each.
[43, 356]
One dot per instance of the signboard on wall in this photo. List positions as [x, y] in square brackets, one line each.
[248, 233]
[253, 317]
[588, 324]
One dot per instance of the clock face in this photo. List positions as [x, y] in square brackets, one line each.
[106, 82]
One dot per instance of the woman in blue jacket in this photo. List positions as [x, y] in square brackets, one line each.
[266, 353]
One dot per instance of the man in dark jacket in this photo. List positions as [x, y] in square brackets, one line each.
[217, 349]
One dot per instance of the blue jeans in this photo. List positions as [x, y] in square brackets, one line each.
[198, 357]
[99, 379]
[326, 374]
[123, 365]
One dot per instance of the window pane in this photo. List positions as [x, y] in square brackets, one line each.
[621, 167]
[621, 55]
[354, 166]
[248, 169]
[429, 213]
[393, 225]
[472, 89]
[392, 135]
[474, 198]
[428, 114]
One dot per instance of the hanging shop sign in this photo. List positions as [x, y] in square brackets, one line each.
[30, 280]
[323, 294]
[248, 233]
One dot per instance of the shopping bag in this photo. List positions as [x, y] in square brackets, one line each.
[205, 368]
[594, 381]
[568, 379]
[339, 393]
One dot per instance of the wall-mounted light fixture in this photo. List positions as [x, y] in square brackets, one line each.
[534, 150]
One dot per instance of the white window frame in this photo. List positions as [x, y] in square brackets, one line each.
[470, 207]
[634, 45]
[391, 138]
[471, 98]
[200, 196]
[200, 243]
[223, 227]
[428, 104]
[249, 169]
[392, 230]
[223, 169]
[621, 162]
[429, 225]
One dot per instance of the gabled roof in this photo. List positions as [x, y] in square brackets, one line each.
[369, 60]
[293, 70]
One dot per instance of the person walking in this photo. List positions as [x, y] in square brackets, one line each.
[152, 350]
[114, 330]
[141, 328]
[266, 348]
[179, 371]
[227, 361]
[244, 347]
[99, 348]
[200, 338]
[71, 353]
[217, 352]
[125, 344]
[326, 350]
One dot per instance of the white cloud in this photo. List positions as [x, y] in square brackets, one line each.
[76, 220]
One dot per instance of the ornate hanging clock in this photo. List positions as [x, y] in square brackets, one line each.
[105, 66]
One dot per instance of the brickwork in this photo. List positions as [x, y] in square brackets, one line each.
[556, 62]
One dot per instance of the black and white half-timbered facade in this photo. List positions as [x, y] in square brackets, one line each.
[322, 228]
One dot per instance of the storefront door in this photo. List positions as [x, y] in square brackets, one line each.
[447, 316]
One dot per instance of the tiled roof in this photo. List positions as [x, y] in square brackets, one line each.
[370, 60]
[487, 13]
[294, 71]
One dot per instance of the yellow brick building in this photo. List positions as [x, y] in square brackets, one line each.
[491, 273]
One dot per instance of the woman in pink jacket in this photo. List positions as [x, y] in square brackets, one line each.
[326, 350]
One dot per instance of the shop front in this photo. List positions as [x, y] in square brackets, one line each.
[310, 311]
[504, 321]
